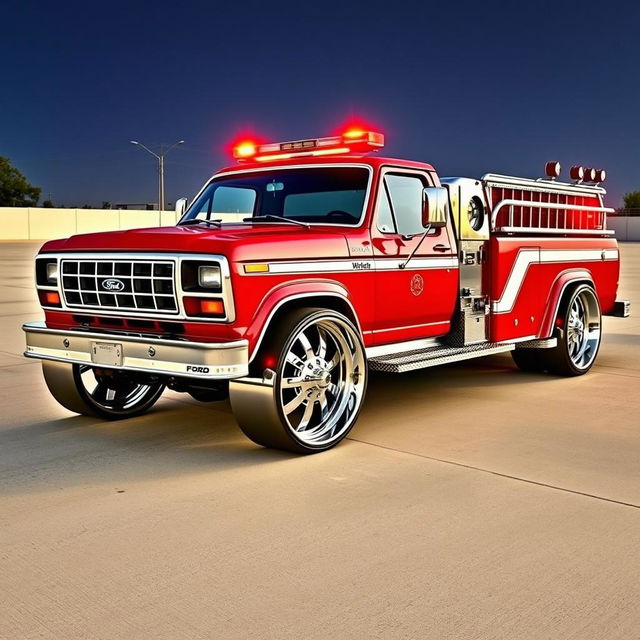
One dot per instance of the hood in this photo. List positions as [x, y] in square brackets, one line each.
[237, 242]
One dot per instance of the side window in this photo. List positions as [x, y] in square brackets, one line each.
[405, 192]
[384, 216]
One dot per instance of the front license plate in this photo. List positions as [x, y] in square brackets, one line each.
[106, 353]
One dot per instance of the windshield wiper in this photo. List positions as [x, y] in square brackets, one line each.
[193, 221]
[271, 218]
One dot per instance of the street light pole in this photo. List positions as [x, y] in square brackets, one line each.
[160, 158]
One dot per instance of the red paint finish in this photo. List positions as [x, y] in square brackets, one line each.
[390, 304]
[554, 262]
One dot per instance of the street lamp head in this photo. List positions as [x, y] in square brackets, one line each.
[134, 142]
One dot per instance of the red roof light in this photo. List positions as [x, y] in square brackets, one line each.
[352, 140]
[245, 149]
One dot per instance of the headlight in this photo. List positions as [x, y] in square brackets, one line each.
[209, 277]
[52, 272]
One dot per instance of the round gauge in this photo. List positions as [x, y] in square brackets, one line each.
[475, 213]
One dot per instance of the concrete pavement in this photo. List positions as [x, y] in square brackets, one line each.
[471, 501]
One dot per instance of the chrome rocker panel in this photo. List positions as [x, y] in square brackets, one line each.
[203, 360]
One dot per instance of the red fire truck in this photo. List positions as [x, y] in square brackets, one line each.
[310, 263]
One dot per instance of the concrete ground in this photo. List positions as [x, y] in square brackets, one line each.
[471, 501]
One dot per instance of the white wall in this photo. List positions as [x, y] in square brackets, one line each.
[32, 223]
[627, 228]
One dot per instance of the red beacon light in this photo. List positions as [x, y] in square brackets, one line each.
[577, 172]
[352, 140]
[245, 149]
[552, 170]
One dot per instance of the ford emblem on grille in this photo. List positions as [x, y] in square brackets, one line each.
[113, 284]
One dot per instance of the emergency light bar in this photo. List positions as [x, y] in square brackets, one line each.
[354, 140]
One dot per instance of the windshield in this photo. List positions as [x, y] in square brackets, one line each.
[320, 195]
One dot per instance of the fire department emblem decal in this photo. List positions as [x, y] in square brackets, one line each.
[417, 284]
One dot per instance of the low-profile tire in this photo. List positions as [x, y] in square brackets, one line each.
[530, 360]
[104, 393]
[580, 325]
[318, 388]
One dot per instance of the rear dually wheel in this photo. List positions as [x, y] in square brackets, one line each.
[580, 333]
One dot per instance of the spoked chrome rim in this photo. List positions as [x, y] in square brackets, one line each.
[583, 329]
[322, 382]
[114, 391]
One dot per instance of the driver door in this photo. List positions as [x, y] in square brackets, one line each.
[415, 299]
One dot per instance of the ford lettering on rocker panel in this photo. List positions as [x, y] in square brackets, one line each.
[308, 264]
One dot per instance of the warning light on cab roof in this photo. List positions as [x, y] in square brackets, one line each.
[351, 141]
[245, 149]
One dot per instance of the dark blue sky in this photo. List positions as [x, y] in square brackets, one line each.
[471, 87]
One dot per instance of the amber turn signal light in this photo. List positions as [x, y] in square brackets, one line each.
[49, 298]
[212, 307]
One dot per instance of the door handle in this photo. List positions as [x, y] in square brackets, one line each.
[441, 247]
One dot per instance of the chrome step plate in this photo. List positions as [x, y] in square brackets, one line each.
[434, 356]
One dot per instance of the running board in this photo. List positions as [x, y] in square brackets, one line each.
[434, 356]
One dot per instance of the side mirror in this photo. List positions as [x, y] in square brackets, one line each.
[181, 207]
[435, 203]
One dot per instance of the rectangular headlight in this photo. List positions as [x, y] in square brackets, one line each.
[209, 277]
[52, 272]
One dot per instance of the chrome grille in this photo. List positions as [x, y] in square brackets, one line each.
[144, 286]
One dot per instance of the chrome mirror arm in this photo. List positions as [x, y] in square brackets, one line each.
[424, 235]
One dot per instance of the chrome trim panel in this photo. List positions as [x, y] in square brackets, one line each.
[541, 343]
[204, 360]
[175, 258]
[400, 347]
[434, 356]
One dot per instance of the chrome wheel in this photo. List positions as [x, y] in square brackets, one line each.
[578, 336]
[115, 392]
[322, 380]
[308, 383]
[583, 329]
[106, 393]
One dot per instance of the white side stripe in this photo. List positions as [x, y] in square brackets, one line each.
[527, 257]
[359, 264]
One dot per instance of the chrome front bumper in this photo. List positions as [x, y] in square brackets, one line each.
[204, 360]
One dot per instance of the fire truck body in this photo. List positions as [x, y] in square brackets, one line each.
[359, 262]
